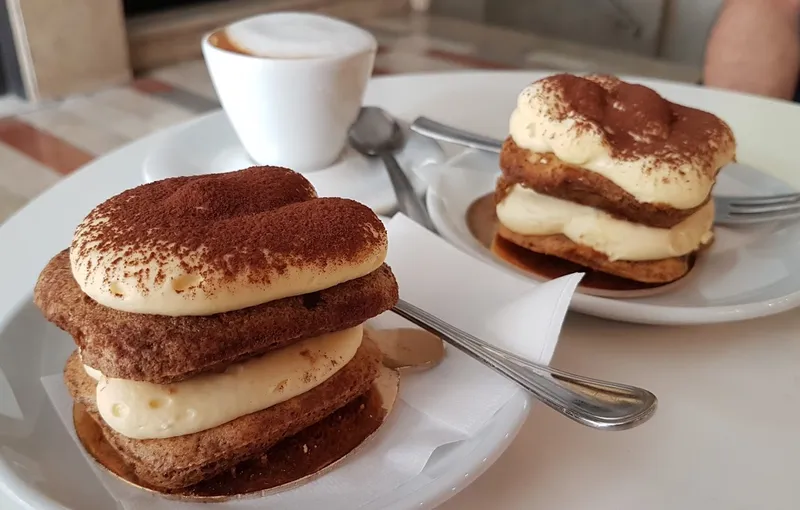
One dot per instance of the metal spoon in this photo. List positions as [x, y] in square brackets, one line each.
[408, 349]
[591, 402]
[376, 133]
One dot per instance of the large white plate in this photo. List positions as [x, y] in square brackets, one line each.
[40, 467]
[725, 433]
[748, 272]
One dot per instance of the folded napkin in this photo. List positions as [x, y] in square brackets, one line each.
[449, 403]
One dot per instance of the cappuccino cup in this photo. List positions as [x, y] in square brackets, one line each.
[291, 84]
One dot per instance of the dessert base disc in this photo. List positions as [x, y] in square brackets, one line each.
[482, 222]
[292, 462]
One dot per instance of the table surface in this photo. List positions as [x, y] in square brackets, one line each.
[725, 432]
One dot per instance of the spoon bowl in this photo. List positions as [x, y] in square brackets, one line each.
[408, 349]
[375, 132]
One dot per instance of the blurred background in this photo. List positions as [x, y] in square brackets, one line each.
[79, 78]
[53, 48]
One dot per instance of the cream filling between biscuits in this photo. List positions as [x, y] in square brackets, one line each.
[529, 213]
[142, 410]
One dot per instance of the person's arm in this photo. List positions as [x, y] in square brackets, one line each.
[755, 47]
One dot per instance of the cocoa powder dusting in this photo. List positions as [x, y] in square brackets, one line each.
[258, 221]
[635, 121]
[311, 356]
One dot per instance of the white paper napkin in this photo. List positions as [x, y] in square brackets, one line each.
[450, 403]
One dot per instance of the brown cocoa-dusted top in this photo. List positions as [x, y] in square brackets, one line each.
[657, 151]
[637, 121]
[221, 237]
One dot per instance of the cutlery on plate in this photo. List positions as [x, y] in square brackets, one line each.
[376, 133]
[729, 210]
[444, 133]
[746, 210]
[407, 349]
[591, 402]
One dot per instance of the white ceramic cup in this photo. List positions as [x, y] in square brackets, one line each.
[292, 112]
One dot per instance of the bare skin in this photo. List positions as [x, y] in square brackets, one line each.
[755, 48]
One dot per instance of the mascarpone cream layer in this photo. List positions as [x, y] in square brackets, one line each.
[143, 410]
[529, 213]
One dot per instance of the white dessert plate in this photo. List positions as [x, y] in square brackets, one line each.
[210, 145]
[746, 273]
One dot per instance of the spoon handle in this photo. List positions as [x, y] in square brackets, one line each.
[444, 133]
[408, 202]
[591, 402]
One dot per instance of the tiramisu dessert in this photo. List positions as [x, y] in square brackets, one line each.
[610, 176]
[216, 316]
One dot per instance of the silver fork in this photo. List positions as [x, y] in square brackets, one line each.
[591, 402]
[730, 210]
[749, 210]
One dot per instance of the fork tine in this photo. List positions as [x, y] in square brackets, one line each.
[753, 219]
[786, 198]
[746, 216]
[738, 208]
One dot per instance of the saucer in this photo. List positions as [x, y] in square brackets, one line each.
[748, 272]
[209, 145]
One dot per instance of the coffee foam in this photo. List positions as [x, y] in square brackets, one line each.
[289, 35]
